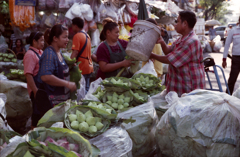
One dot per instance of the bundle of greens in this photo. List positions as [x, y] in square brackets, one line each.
[58, 142]
[85, 120]
[101, 108]
[119, 101]
[147, 81]
[120, 84]
[16, 74]
[139, 97]
[99, 93]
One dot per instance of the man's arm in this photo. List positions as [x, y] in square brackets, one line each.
[162, 59]
[74, 54]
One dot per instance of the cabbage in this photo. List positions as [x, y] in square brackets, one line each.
[90, 120]
[92, 129]
[81, 117]
[99, 125]
[74, 124]
[83, 127]
[72, 117]
[88, 114]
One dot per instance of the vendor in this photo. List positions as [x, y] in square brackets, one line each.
[31, 67]
[19, 50]
[111, 52]
[54, 72]
[184, 56]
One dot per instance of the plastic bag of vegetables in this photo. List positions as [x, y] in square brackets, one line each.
[115, 142]
[120, 84]
[139, 97]
[201, 123]
[19, 109]
[118, 101]
[85, 120]
[101, 108]
[5, 137]
[58, 142]
[141, 131]
[147, 81]
[94, 86]
[56, 114]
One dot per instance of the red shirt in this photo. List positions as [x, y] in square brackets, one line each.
[186, 72]
[104, 55]
[31, 63]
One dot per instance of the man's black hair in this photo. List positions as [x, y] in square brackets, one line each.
[78, 22]
[188, 16]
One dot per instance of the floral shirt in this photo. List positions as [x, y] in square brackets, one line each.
[186, 72]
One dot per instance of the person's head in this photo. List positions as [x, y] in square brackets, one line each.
[57, 35]
[77, 24]
[185, 21]
[110, 30]
[19, 43]
[230, 26]
[36, 40]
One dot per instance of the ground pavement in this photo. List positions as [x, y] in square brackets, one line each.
[218, 61]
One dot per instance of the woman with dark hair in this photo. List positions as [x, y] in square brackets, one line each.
[111, 52]
[54, 72]
[19, 50]
[31, 68]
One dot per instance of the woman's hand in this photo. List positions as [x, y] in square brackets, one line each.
[72, 86]
[127, 62]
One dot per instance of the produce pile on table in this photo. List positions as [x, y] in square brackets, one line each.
[6, 57]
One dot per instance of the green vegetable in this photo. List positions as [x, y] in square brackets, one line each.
[92, 129]
[115, 95]
[115, 99]
[120, 107]
[6, 60]
[83, 127]
[127, 99]
[88, 114]
[109, 111]
[99, 125]
[121, 96]
[109, 98]
[120, 101]
[75, 124]
[90, 120]
[75, 76]
[81, 117]
[126, 104]
[97, 119]
[109, 102]
[72, 117]
[14, 60]
[1, 59]
[115, 105]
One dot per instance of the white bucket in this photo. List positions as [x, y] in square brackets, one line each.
[143, 39]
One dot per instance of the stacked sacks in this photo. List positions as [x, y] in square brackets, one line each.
[201, 123]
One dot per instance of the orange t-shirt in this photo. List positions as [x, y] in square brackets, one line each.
[86, 64]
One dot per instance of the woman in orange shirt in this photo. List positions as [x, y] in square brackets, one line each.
[31, 68]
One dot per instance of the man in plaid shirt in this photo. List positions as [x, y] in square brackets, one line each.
[186, 72]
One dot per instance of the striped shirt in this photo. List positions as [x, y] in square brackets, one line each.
[186, 72]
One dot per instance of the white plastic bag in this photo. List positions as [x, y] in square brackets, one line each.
[218, 44]
[95, 38]
[93, 87]
[142, 130]
[82, 91]
[237, 93]
[115, 142]
[207, 47]
[148, 68]
[3, 121]
[200, 123]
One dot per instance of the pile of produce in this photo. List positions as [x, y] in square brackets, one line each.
[202, 123]
[5, 136]
[75, 74]
[6, 57]
[85, 120]
[17, 75]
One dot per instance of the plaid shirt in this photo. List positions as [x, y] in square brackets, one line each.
[186, 72]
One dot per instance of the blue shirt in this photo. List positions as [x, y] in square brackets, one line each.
[48, 65]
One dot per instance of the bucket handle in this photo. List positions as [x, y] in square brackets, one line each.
[140, 33]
